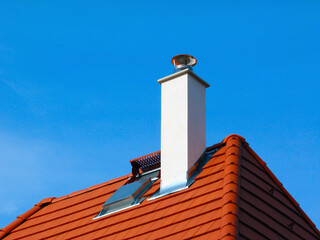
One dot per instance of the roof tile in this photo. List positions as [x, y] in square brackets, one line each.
[235, 195]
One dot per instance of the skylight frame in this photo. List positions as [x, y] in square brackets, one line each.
[139, 197]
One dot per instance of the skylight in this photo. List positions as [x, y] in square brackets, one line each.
[130, 194]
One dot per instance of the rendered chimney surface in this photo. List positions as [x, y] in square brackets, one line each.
[183, 125]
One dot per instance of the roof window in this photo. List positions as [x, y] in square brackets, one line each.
[130, 194]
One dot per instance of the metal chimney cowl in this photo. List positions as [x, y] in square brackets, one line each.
[183, 61]
[183, 127]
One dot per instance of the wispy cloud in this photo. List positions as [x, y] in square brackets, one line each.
[8, 83]
[31, 95]
[23, 172]
[34, 168]
[25, 89]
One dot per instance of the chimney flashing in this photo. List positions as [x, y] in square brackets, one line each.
[182, 72]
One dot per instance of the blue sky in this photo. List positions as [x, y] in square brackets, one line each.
[79, 95]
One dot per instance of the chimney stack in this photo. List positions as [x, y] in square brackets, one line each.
[183, 123]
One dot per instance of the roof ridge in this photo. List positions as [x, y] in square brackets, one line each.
[231, 187]
[21, 218]
[282, 188]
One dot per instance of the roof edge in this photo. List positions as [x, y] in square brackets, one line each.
[231, 188]
[93, 187]
[280, 185]
[6, 230]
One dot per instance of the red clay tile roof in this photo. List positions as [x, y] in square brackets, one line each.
[235, 196]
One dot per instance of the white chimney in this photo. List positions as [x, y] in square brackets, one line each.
[183, 123]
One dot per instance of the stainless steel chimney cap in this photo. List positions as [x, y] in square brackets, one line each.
[183, 61]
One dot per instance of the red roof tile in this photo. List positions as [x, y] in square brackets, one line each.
[235, 196]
